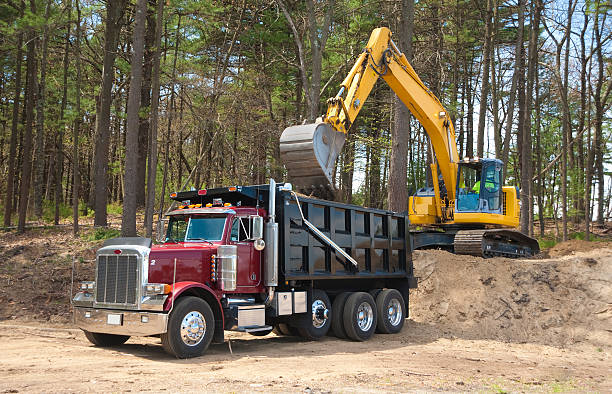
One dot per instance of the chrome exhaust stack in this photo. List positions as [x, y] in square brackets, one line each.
[309, 153]
[271, 241]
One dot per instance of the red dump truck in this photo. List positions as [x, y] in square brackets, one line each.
[252, 259]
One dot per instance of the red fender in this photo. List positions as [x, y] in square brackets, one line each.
[181, 287]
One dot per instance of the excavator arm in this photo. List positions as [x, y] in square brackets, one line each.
[310, 151]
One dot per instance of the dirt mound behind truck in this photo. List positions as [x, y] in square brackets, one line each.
[557, 301]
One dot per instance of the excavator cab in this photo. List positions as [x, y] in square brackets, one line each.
[479, 186]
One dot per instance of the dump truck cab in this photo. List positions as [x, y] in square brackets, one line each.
[199, 231]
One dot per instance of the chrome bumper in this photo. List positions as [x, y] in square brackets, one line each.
[120, 322]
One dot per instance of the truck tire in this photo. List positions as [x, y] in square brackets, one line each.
[105, 340]
[317, 320]
[359, 316]
[261, 333]
[286, 330]
[374, 293]
[337, 317]
[191, 327]
[391, 311]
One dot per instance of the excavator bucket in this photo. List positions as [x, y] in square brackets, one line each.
[309, 153]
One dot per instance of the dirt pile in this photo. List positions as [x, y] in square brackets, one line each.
[555, 301]
[576, 245]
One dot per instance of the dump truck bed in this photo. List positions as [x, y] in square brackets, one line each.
[376, 239]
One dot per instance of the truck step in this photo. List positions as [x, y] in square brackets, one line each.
[255, 329]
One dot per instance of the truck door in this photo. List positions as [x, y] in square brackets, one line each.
[249, 267]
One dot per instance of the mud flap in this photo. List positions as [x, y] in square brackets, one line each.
[309, 153]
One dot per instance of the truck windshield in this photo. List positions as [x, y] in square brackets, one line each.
[195, 228]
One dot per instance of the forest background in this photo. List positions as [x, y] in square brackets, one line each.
[108, 106]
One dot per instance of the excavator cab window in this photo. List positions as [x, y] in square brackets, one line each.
[479, 187]
[491, 192]
[468, 187]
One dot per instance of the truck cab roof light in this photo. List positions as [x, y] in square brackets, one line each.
[208, 205]
[202, 192]
[227, 204]
[172, 195]
[232, 188]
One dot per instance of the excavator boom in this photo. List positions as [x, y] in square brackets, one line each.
[310, 151]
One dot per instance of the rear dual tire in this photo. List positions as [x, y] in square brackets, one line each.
[391, 312]
[360, 316]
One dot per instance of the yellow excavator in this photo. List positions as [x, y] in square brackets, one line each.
[467, 210]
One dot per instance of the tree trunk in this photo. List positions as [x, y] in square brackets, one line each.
[114, 21]
[318, 36]
[522, 119]
[145, 103]
[76, 131]
[154, 116]
[469, 140]
[39, 156]
[26, 163]
[566, 125]
[59, 155]
[484, 87]
[128, 222]
[170, 109]
[398, 173]
[10, 178]
[526, 159]
[600, 101]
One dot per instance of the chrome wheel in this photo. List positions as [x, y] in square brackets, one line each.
[320, 313]
[365, 316]
[193, 328]
[394, 312]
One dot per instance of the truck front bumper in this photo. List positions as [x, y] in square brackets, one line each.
[120, 322]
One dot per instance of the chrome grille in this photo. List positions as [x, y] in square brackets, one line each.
[117, 279]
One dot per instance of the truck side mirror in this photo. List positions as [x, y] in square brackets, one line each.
[257, 230]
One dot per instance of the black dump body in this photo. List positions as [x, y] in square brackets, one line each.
[377, 239]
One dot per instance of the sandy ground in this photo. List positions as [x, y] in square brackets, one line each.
[35, 359]
[494, 325]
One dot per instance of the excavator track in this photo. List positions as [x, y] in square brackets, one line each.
[495, 242]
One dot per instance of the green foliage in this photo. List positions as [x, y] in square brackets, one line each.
[238, 84]
[550, 240]
[114, 208]
[65, 211]
[100, 233]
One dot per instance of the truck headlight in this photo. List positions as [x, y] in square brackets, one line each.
[88, 286]
[157, 288]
